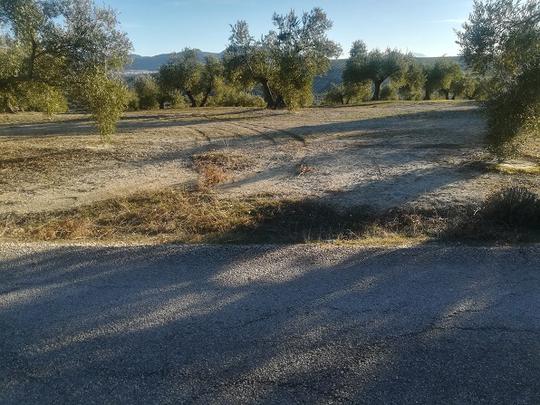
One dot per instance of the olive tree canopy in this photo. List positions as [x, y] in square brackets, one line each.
[441, 76]
[501, 39]
[187, 74]
[376, 66]
[286, 60]
[70, 46]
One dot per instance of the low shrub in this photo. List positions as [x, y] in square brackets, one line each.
[512, 214]
[514, 207]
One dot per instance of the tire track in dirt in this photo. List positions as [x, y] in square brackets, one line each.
[236, 131]
[257, 130]
[262, 130]
[201, 133]
[296, 137]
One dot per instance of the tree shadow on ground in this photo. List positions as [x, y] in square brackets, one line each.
[406, 149]
[129, 123]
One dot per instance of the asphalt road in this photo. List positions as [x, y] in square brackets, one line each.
[273, 325]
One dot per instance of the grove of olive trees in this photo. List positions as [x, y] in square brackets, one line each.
[57, 54]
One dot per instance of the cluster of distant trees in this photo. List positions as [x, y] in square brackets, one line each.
[391, 75]
[280, 67]
[56, 53]
[187, 81]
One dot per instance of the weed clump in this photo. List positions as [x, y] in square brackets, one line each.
[215, 168]
[512, 214]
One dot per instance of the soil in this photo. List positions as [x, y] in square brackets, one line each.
[425, 155]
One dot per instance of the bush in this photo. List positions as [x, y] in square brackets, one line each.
[335, 95]
[34, 97]
[106, 99]
[348, 93]
[147, 91]
[514, 207]
[389, 93]
[514, 114]
[230, 96]
[132, 101]
[512, 215]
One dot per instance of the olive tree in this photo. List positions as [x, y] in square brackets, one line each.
[187, 74]
[147, 91]
[376, 66]
[413, 82]
[440, 76]
[501, 40]
[284, 62]
[466, 86]
[106, 98]
[70, 47]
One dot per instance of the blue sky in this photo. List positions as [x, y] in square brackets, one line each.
[419, 26]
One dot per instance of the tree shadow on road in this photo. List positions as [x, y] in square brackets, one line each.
[272, 324]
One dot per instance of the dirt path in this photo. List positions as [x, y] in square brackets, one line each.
[384, 155]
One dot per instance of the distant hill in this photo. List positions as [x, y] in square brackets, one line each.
[145, 64]
[153, 63]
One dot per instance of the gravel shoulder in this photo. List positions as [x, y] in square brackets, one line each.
[269, 324]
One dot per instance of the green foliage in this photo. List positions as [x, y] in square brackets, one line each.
[348, 93]
[514, 114]
[285, 61]
[413, 82]
[335, 95]
[106, 98]
[389, 92]
[440, 77]
[227, 95]
[47, 99]
[502, 40]
[483, 88]
[147, 92]
[465, 86]
[51, 48]
[132, 102]
[186, 74]
[375, 65]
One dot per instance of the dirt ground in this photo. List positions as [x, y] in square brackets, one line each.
[428, 154]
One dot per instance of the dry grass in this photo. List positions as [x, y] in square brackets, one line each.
[34, 117]
[19, 165]
[511, 214]
[183, 216]
[508, 168]
[195, 217]
[217, 167]
[302, 169]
